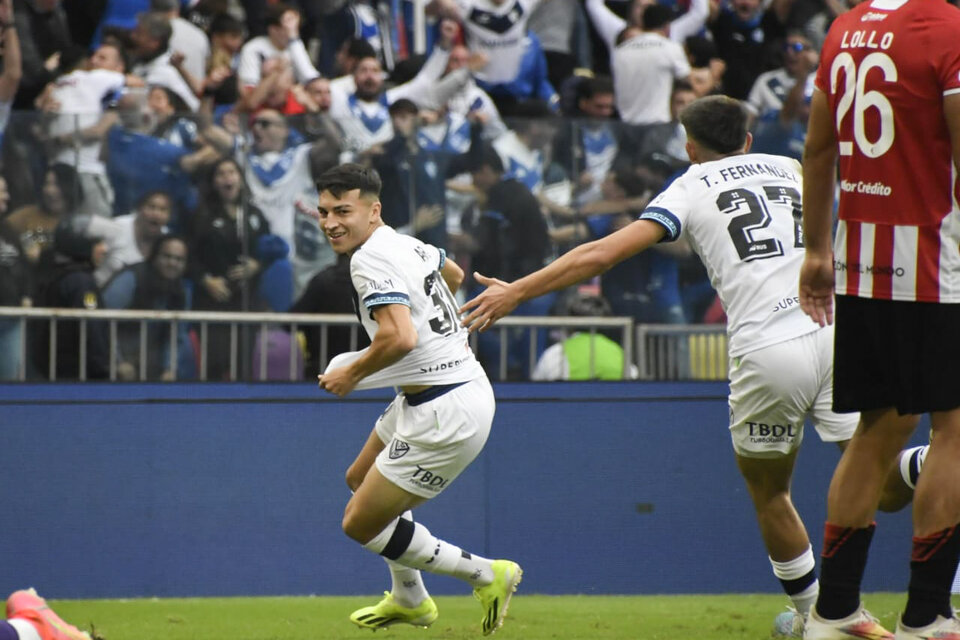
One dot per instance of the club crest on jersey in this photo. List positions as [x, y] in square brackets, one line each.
[398, 449]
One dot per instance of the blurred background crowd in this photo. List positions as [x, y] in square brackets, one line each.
[159, 154]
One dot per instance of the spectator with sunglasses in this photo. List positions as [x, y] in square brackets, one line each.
[771, 88]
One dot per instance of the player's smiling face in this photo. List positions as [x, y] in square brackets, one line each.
[349, 219]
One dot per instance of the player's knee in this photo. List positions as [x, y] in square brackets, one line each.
[354, 527]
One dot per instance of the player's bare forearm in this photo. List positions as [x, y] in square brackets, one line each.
[819, 176]
[395, 337]
[582, 262]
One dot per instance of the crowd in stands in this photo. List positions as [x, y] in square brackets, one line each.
[160, 154]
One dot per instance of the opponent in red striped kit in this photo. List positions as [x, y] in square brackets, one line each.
[887, 111]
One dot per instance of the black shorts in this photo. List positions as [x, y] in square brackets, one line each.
[896, 354]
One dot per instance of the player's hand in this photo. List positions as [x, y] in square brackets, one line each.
[816, 287]
[496, 301]
[339, 382]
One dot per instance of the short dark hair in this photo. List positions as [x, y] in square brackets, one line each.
[142, 200]
[358, 48]
[597, 86]
[490, 158]
[274, 14]
[225, 23]
[586, 305]
[157, 26]
[162, 240]
[403, 106]
[718, 123]
[68, 182]
[656, 16]
[165, 5]
[347, 177]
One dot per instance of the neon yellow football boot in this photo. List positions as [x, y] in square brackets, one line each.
[387, 612]
[495, 597]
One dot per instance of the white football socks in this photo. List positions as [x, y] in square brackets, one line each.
[407, 584]
[802, 565]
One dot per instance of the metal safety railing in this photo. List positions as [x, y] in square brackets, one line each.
[682, 351]
[656, 352]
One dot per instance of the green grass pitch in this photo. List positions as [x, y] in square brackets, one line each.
[531, 617]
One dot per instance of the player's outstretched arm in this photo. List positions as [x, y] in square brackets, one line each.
[819, 177]
[582, 262]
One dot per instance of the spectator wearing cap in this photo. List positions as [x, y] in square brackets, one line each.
[645, 64]
[282, 40]
[150, 41]
[80, 119]
[65, 281]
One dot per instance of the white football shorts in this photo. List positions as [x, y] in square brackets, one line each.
[428, 445]
[774, 389]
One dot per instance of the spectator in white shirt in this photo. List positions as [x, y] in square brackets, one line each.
[495, 28]
[151, 49]
[282, 40]
[187, 39]
[130, 237]
[645, 64]
[609, 25]
[79, 122]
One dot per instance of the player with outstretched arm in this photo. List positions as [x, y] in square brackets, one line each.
[437, 424]
[741, 214]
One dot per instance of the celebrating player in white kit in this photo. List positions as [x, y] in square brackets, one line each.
[436, 425]
[741, 214]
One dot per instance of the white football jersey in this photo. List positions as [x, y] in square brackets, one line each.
[391, 268]
[741, 215]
